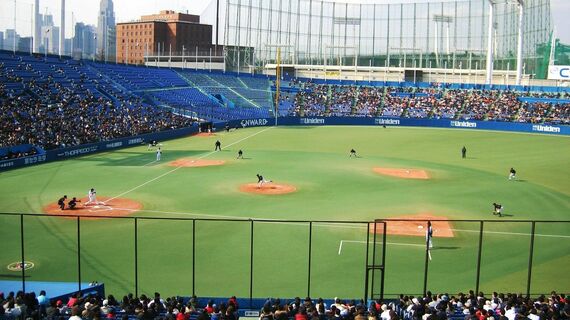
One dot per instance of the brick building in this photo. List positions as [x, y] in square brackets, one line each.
[159, 33]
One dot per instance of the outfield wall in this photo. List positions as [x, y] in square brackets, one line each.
[407, 122]
[66, 153]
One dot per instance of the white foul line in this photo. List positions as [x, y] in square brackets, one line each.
[150, 163]
[268, 220]
[328, 224]
[388, 243]
[171, 171]
[515, 233]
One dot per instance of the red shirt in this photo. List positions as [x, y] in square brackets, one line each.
[71, 302]
[182, 316]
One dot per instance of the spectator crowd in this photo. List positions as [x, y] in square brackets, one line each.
[463, 306]
[434, 102]
[54, 104]
[50, 113]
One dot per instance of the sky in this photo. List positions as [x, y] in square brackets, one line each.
[127, 10]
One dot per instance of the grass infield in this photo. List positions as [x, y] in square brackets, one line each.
[328, 185]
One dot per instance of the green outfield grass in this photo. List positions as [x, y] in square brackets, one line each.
[330, 186]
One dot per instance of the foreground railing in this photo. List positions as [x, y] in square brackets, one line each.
[261, 258]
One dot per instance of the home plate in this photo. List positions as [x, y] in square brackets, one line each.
[420, 227]
[96, 207]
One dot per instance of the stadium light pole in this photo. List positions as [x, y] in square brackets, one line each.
[15, 14]
[489, 77]
[441, 19]
[62, 29]
[47, 42]
[183, 58]
[520, 42]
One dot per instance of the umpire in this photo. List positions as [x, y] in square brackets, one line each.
[61, 202]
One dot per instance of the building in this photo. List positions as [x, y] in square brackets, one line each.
[25, 44]
[11, 40]
[167, 33]
[1, 40]
[49, 35]
[106, 31]
[68, 45]
[84, 41]
[50, 39]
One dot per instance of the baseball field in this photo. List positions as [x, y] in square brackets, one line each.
[412, 173]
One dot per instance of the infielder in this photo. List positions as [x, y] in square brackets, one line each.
[158, 154]
[512, 174]
[497, 209]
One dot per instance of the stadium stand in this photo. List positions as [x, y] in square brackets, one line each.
[51, 102]
[56, 103]
[469, 306]
[244, 92]
[432, 102]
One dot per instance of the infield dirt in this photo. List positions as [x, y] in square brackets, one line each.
[195, 163]
[403, 173]
[268, 189]
[118, 207]
[410, 226]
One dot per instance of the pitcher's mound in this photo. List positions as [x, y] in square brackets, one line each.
[269, 188]
[119, 207]
[190, 163]
[403, 173]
